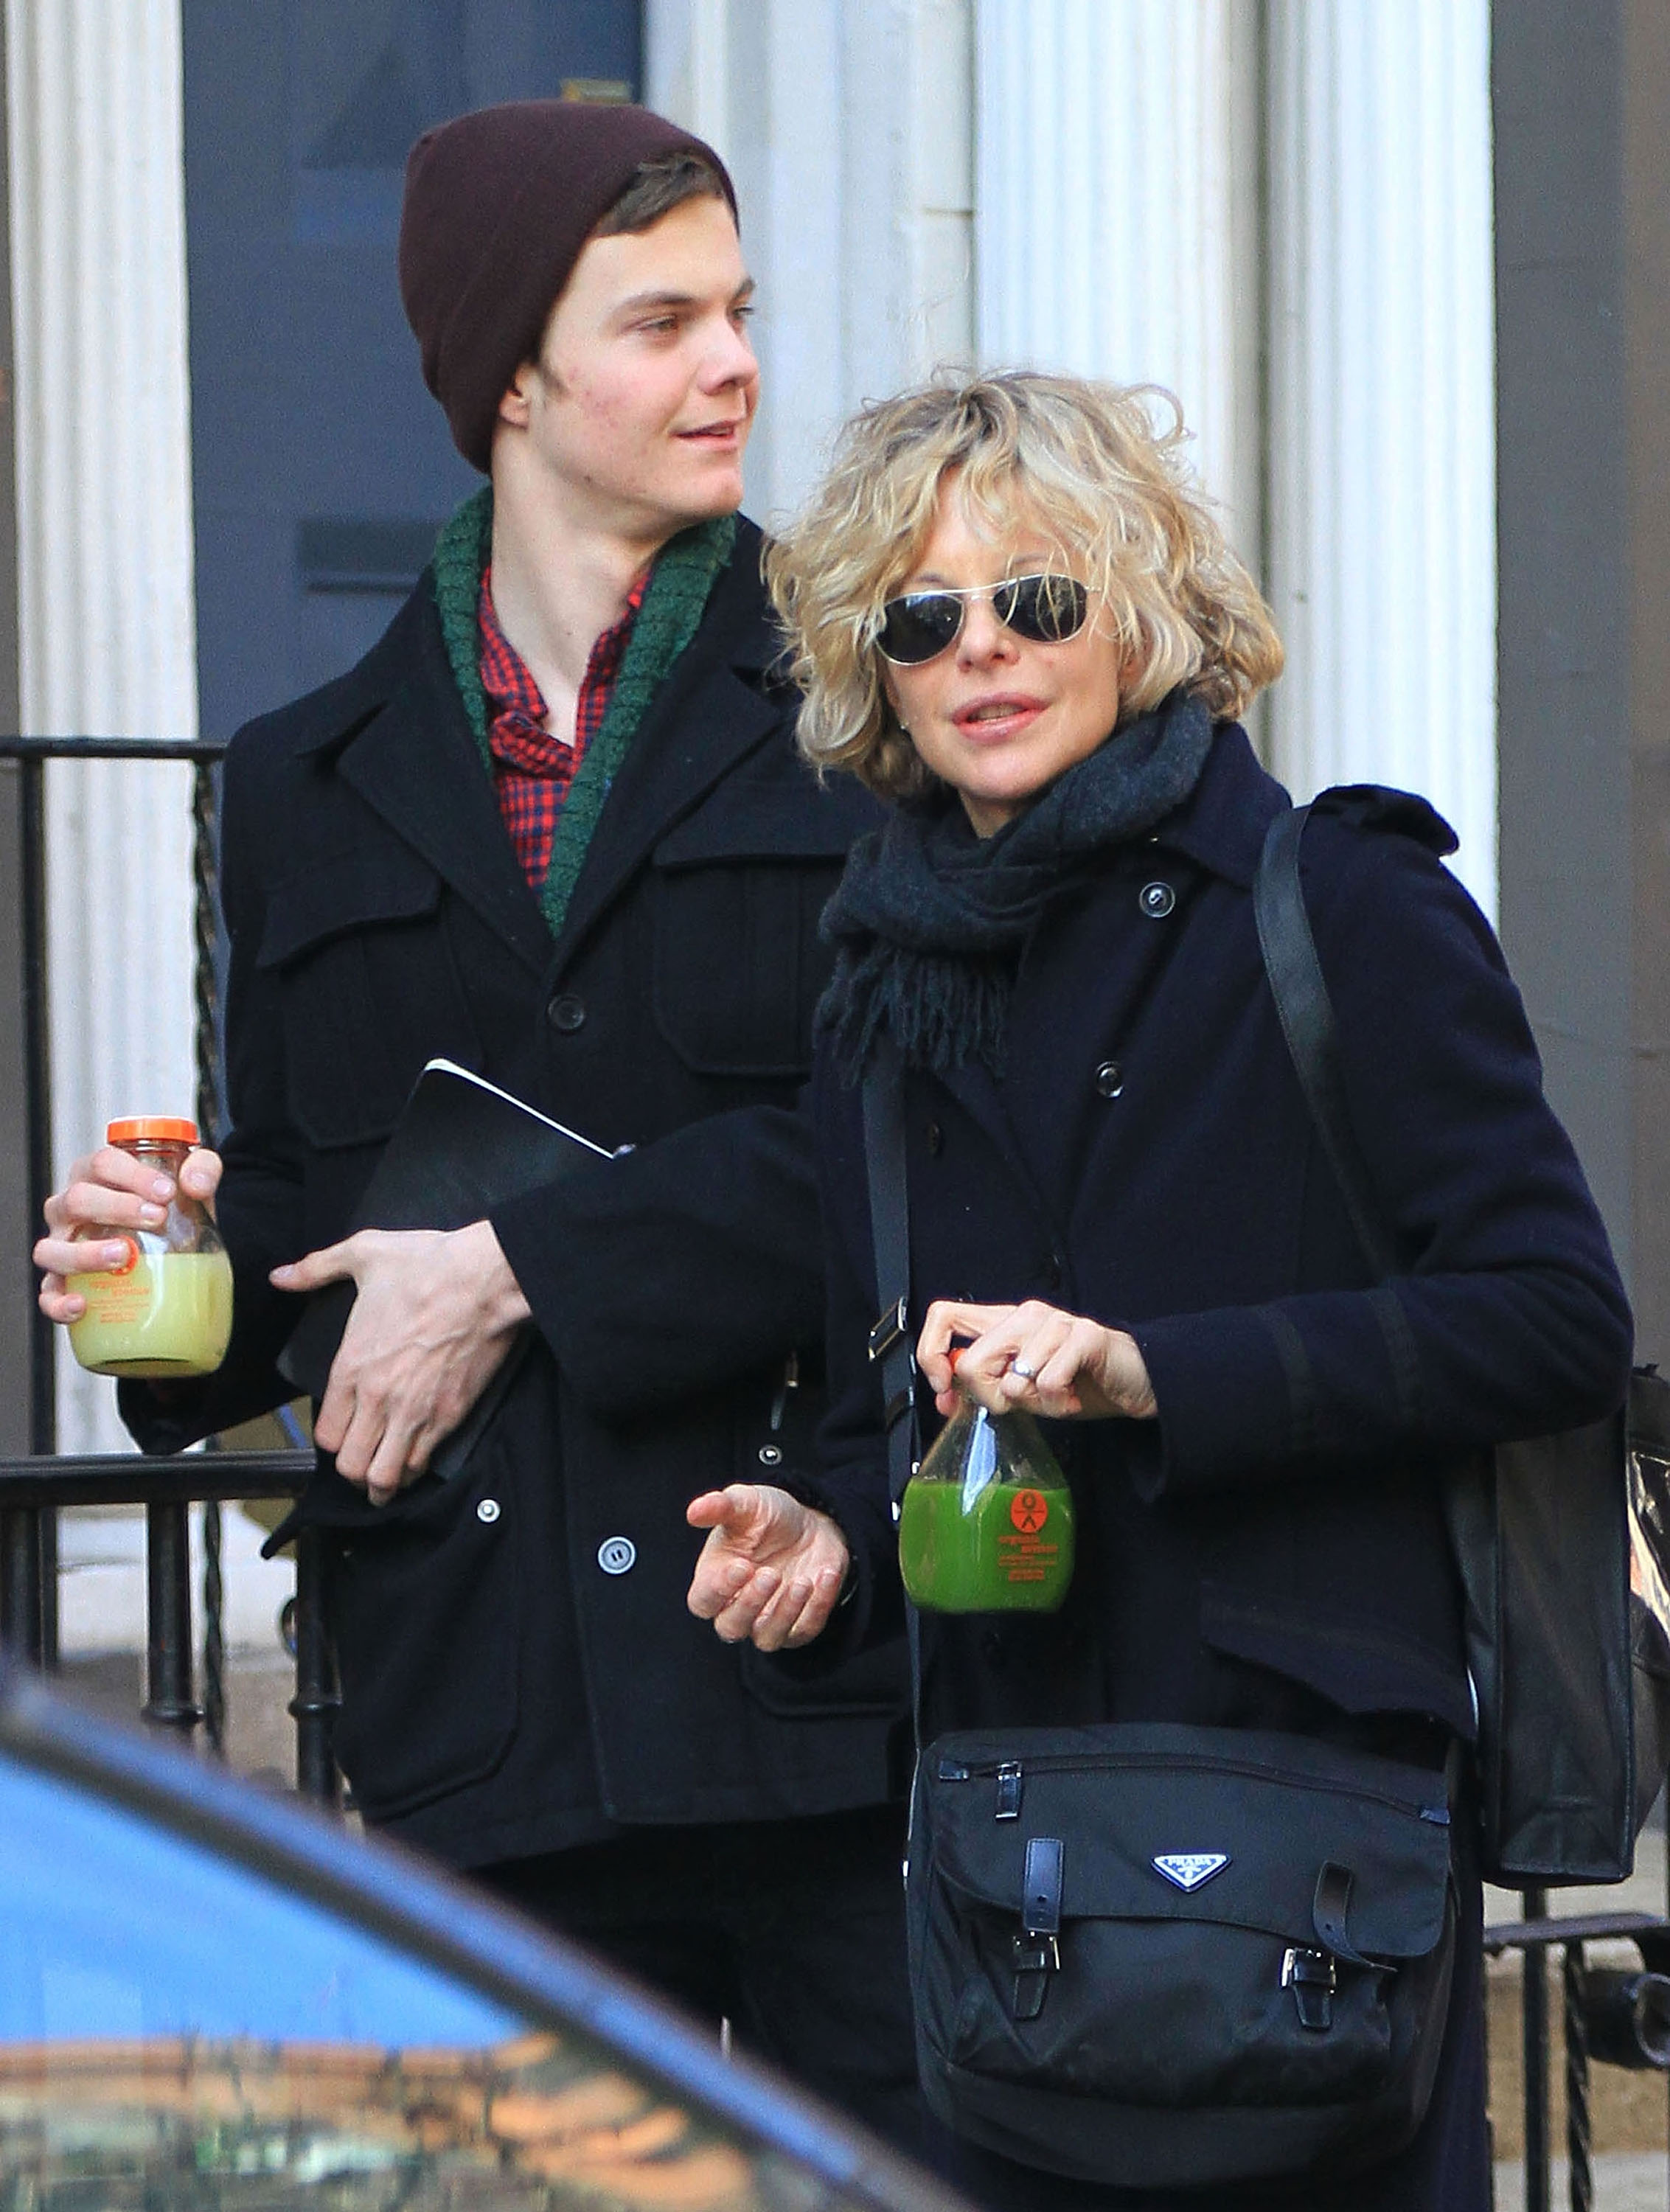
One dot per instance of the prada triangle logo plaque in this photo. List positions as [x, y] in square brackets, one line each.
[1189, 1869]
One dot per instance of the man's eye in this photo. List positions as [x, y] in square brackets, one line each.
[744, 312]
[660, 323]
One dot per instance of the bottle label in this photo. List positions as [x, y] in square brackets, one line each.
[1026, 1556]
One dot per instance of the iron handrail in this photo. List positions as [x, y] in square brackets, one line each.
[33, 1489]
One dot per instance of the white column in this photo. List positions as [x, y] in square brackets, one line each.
[107, 645]
[847, 125]
[1116, 230]
[1383, 491]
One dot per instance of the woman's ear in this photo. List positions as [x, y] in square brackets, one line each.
[889, 692]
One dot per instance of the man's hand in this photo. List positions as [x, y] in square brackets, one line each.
[109, 1190]
[434, 1316]
[1035, 1356]
[771, 1569]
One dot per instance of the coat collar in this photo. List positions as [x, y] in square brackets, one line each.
[713, 709]
[398, 729]
[1222, 824]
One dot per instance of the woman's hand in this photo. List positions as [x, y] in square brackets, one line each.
[771, 1569]
[1035, 1356]
[110, 1190]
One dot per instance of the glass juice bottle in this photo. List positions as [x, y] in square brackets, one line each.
[986, 1523]
[168, 1312]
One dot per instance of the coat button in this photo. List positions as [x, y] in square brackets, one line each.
[487, 1511]
[1156, 901]
[770, 1456]
[936, 1140]
[566, 1013]
[1110, 1078]
[617, 1555]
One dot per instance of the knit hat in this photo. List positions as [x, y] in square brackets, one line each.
[498, 205]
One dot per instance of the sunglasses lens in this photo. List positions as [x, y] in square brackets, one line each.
[917, 627]
[1046, 609]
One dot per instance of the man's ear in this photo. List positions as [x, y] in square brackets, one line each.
[514, 407]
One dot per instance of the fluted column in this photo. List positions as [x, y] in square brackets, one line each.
[106, 644]
[1117, 209]
[848, 127]
[1381, 473]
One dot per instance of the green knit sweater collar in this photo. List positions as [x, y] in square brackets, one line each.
[680, 584]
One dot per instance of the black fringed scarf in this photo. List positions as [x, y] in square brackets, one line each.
[930, 921]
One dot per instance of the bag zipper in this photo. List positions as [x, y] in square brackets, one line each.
[1011, 1773]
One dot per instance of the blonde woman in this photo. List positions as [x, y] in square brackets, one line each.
[1014, 617]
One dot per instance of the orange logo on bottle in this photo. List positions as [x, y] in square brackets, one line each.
[130, 1263]
[1028, 1511]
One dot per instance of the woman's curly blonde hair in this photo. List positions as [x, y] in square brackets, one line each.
[1083, 461]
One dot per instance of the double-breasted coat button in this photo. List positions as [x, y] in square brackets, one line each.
[1156, 901]
[566, 1013]
[1110, 1078]
[488, 1511]
[617, 1555]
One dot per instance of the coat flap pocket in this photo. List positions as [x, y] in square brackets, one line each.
[379, 883]
[1230, 1826]
[760, 820]
[1361, 1666]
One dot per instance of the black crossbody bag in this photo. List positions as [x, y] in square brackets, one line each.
[1159, 1956]
[1570, 1663]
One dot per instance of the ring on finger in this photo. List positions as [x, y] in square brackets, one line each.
[1024, 1368]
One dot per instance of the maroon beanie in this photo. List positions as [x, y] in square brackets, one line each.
[498, 205]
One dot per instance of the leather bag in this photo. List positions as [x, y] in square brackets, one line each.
[1563, 1542]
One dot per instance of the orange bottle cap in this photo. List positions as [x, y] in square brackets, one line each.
[151, 1129]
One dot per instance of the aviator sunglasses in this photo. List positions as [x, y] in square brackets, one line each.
[920, 625]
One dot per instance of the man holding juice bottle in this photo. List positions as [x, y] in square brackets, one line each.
[553, 828]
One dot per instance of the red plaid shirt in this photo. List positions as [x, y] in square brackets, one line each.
[532, 769]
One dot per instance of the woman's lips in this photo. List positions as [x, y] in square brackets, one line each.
[988, 720]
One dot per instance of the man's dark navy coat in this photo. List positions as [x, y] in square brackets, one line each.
[1269, 1551]
[516, 1680]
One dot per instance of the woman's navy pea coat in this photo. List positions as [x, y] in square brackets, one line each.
[1269, 1551]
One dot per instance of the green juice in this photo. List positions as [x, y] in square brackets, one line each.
[1007, 1548]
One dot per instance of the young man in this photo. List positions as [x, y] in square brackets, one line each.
[552, 827]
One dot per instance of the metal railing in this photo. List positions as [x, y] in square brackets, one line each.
[1603, 2021]
[33, 1489]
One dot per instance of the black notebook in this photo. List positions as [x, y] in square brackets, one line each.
[460, 1147]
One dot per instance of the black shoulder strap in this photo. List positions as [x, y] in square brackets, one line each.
[1306, 1012]
[890, 1234]
[890, 1339]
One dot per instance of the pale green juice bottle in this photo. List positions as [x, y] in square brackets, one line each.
[168, 1312]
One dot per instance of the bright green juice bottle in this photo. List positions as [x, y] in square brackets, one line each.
[987, 1524]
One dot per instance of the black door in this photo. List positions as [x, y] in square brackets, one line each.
[321, 468]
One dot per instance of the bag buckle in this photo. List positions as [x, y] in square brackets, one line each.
[889, 1326]
[1034, 1952]
[1310, 1976]
[1035, 1959]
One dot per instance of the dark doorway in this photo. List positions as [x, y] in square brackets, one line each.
[321, 468]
